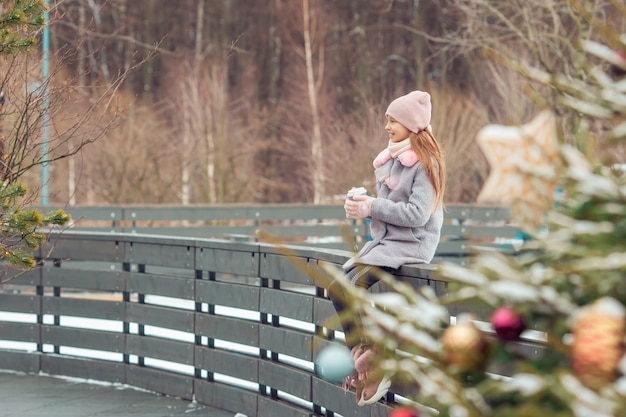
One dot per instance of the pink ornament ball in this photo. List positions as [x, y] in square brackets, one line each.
[507, 324]
[619, 70]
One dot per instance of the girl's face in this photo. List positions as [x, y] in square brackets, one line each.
[396, 130]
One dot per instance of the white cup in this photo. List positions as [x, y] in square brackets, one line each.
[356, 191]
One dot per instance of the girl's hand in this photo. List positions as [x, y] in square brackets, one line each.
[359, 207]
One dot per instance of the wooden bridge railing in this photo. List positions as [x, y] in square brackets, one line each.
[232, 324]
[321, 226]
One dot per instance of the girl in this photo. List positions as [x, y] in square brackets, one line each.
[406, 219]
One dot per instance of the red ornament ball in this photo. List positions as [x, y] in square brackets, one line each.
[404, 412]
[507, 324]
[619, 70]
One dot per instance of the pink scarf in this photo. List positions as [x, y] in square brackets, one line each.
[382, 163]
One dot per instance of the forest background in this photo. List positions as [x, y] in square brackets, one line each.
[276, 101]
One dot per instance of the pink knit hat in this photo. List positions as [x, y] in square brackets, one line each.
[412, 110]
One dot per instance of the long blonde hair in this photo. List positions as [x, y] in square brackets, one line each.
[427, 149]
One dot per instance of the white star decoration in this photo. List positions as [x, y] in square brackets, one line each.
[525, 167]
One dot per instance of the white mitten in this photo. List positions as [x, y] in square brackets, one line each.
[359, 207]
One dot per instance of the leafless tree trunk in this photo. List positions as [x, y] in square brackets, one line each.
[185, 189]
[316, 136]
[82, 58]
[191, 112]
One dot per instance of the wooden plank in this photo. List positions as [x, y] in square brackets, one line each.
[457, 260]
[332, 397]
[201, 231]
[324, 314]
[83, 368]
[441, 288]
[297, 232]
[162, 285]
[160, 381]
[83, 338]
[236, 262]
[173, 256]
[20, 361]
[226, 397]
[285, 378]
[331, 245]
[454, 247]
[285, 304]
[272, 408]
[287, 341]
[465, 248]
[20, 332]
[453, 231]
[303, 230]
[236, 365]
[89, 213]
[491, 232]
[20, 303]
[83, 214]
[289, 268]
[311, 246]
[230, 329]
[283, 212]
[321, 258]
[22, 278]
[457, 211]
[228, 294]
[464, 212]
[159, 348]
[96, 309]
[474, 232]
[83, 279]
[165, 212]
[490, 213]
[167, 317]
[418, 271]
[416, 283]
[64, 246]
[403, 389]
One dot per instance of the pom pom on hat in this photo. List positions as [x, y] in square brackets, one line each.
[412, 110]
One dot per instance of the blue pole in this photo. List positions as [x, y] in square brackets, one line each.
[45, 49]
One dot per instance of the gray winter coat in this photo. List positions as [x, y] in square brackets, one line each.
[404, 228]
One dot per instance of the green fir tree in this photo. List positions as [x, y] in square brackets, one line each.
[22, 230]
[540, 332]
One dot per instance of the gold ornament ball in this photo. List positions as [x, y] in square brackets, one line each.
[597, 348]
[464, 346]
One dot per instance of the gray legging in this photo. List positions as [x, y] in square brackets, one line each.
[363, 276]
